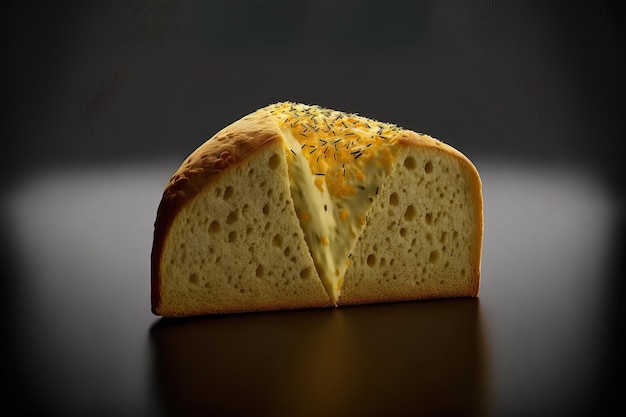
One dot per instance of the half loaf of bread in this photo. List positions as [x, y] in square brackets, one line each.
[297, 206]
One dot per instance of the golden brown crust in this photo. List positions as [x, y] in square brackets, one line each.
[226, 149]
[247, 309]
[398, 298]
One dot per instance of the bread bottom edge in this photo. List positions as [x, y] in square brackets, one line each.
[341, 304]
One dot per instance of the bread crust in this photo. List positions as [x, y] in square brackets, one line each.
[226, 149]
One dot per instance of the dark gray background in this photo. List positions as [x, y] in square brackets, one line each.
[87, 82]
[100, 93]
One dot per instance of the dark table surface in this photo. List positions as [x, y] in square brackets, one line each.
[537, 341]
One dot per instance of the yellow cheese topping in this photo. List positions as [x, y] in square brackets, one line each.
[337, 164]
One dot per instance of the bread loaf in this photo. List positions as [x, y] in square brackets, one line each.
[297, 206]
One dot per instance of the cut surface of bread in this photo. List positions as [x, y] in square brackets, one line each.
[337, 164]
[297, 206]
[423, 237]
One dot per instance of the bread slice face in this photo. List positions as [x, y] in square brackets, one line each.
[424, 233]
[297, 206]
[227, 238]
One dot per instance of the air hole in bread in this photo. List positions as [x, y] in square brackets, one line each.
[371, 260]
[278, 240]
[393, 199]
[260, 271]
[403, 232]
[306, 273]
[433, 257]
[228, 192]
[287, 251]
[215, 227]
[463, 272]
[409, 163]
[232, 236]
[428, 218]
[183, 253]
[428, 167]
[274, 161]
[194, 278]
[233, 216]
[266, 209]
[410, 213]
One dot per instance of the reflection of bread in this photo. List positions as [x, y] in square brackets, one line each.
[296, 206]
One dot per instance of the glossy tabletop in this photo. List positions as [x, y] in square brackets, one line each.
[83, 340]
